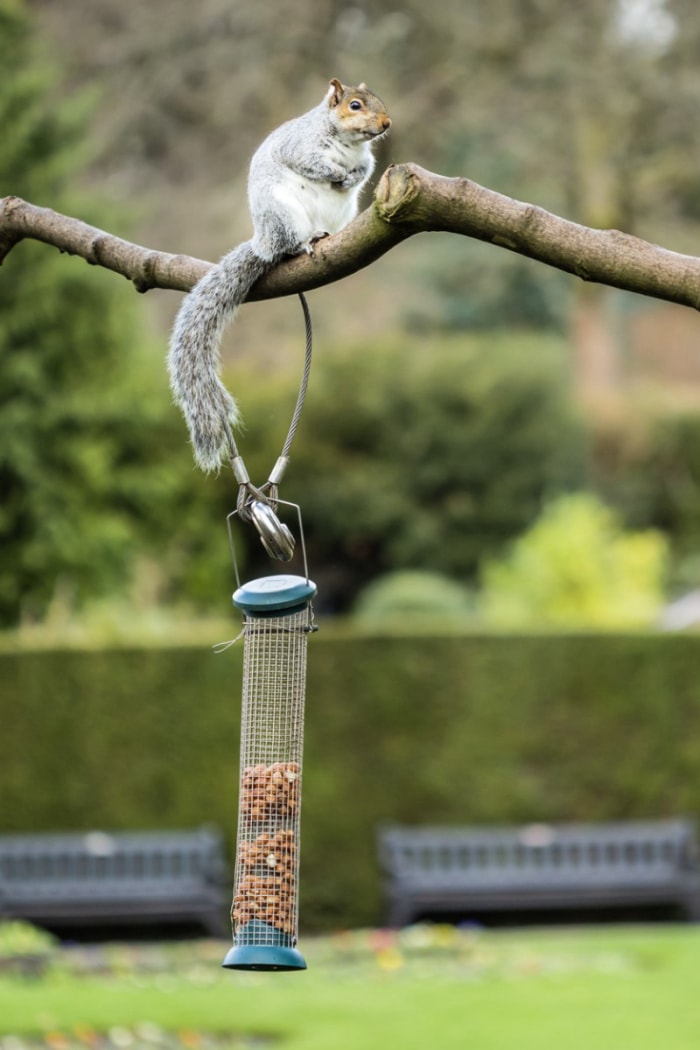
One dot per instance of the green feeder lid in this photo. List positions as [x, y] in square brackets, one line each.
[271, 594]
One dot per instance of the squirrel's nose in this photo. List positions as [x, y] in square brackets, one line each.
[386, 123]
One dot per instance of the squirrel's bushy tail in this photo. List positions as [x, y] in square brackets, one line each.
[194, 357]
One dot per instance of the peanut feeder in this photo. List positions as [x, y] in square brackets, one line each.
[278, 621]
[264, 914]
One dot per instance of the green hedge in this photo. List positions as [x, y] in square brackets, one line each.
[449, 730]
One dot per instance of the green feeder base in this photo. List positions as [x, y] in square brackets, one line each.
[259, 946]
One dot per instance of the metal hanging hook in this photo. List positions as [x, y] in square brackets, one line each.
[277, 539]
[274, 535]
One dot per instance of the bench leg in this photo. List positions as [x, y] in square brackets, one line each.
[692, 907]
[216, 926]
[400, 914]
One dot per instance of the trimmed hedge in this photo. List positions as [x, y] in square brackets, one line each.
[439, 730]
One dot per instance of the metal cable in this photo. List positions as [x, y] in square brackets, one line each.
[247, 489]
[304, 379]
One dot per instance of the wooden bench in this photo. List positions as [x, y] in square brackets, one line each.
[471, 871]
[97, 879]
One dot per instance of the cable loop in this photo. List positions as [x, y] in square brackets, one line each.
[247, 491]
[258, 506]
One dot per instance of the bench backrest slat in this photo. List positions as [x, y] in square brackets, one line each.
[94, 857]
[638, 848]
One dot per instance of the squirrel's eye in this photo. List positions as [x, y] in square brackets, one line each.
[355, 104]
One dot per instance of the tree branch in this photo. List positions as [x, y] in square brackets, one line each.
[408, 200]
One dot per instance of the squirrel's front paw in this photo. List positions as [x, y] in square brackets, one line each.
[313, 240]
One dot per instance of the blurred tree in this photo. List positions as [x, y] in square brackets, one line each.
[603, 139]
[576, 567]
[425, 454]
[586, 109]
[645, 462]
[413, 599]
[589, 107]
[85, 421]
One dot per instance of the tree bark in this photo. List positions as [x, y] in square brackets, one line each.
[408, 200]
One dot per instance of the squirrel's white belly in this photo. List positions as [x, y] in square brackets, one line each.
[315, 207]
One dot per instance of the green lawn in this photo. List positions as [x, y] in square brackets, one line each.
[429, 988]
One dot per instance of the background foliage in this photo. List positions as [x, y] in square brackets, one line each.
[645, 461]
[576, 567]
[444, 450]
[469, 729]
[428, 451]
[84, 425]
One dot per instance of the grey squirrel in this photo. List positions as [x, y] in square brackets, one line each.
[304, 182]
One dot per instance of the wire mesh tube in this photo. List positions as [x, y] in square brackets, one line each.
[265, 911]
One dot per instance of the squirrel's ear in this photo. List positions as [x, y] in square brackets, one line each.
[335, 92]
[363, 86]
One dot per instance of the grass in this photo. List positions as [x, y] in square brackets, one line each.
[430, 987]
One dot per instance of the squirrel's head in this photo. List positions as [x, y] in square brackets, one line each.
[360, 112]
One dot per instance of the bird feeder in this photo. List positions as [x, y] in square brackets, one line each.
[264, 914]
